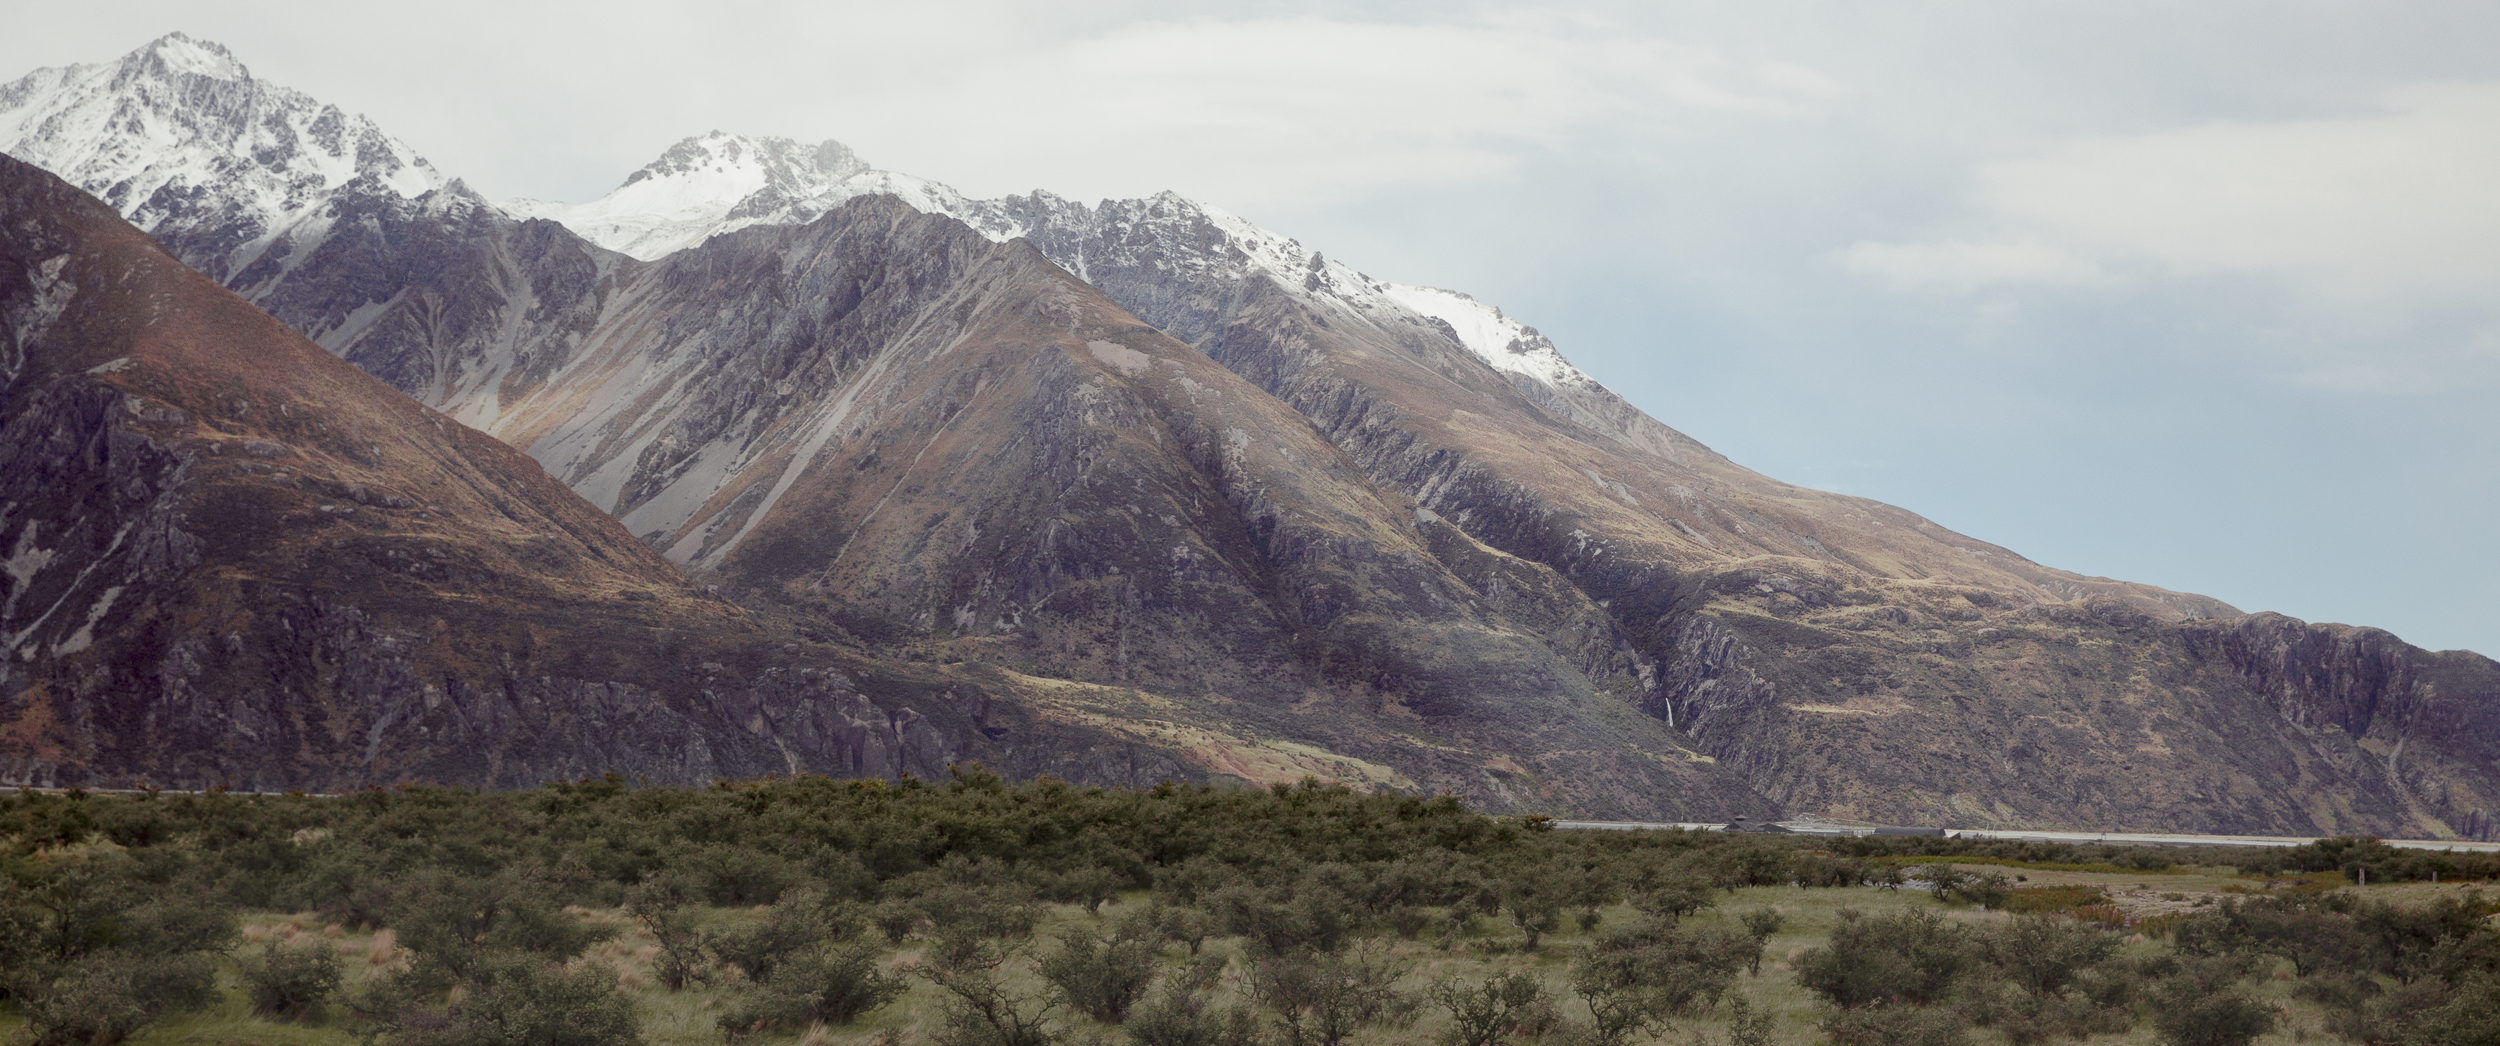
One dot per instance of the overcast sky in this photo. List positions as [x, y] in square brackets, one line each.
[2200, 295]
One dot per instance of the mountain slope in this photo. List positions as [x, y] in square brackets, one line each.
[234, 559]
[1801, 637]
[1837, 655]
[888, 420]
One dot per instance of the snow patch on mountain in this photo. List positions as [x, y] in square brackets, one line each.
[1507, 344]
[178, 135]
[720, 182]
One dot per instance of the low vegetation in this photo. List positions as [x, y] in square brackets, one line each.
[977, 913]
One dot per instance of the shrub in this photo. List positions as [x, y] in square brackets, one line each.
[799, 921]
[1672, 898]
[983, 1012]
[1091, 887]
[1633, 979]
[823, 984]
[1760, 924]
[1188, 926]
[660, 904]
[1913, 956]
[103, 998]
[1311, 917]
[1179, 1017]
[454, 922]
[293, 983]
[1321, 998]
[2041, 954]
[1485, 1013]
[1100, 977]
[521, 1000]
[2192, 1011]
[1895, 1026]
[1747, 1026]
[2469, 1017]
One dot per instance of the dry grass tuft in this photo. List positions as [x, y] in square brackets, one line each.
[384, 949]
[334, 931]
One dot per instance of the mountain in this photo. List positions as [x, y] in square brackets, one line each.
[1805, 639]
[893, 436]
[179, 137]
[235, 560]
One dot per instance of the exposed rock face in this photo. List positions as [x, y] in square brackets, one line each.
[1842, 656]
[234, 559]
[888, 421]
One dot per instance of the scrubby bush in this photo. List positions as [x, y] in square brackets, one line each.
[1100, 976]
[2194, 1011]
[1176, 1016]
[91, 951]
[293, 984]
[1634, 978]
[982, 1010]
[1760, 924]
[802, 919]
[661, 905]
[515, 999]
[1489, 1011]
[824, 983]
[107, 995]
[455, 923]
[1909, 957]
[1320, 998]
[1896, 1026]
[2042, 954]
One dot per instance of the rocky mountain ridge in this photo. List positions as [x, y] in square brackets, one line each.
[751, 391]
[236, 560]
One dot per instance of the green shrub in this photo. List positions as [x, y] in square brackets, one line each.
[1913, 956]
[1634, 978]
[292, 984]
[2191, 1010]
[519, 1000]
[1488, 1012]
[1896, 1026]
[826, 983]
[1320, 998]
[2041, 954]
[800, 920]
[1099, 976]
[454, 923]
[1179, 1017]
[105, 997]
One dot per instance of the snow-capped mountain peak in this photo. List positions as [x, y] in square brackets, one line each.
[176, 54]
[721, 182]
[718, 182]
[180, 138]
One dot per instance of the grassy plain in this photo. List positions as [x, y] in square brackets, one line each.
[690, 1017]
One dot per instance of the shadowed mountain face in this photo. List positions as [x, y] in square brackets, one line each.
[1247, 509]
[234, 559]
